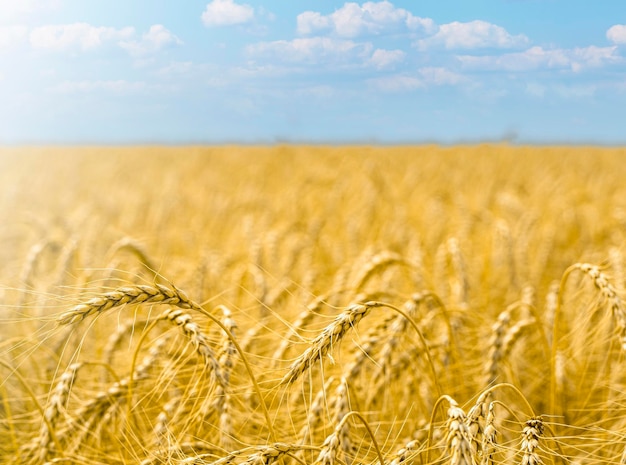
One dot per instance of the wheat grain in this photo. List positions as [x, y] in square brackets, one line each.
[475, 423]
[404, 454]
[328, 454]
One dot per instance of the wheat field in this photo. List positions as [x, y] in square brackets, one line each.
[313, 305]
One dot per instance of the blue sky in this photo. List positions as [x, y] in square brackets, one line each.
[265, 71]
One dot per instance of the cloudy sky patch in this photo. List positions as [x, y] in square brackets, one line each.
[331, 71]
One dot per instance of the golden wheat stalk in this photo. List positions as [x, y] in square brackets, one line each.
[495, 354]
[458, 437]
[198, 339]
[54, 409]
[608, 291]
[328, 454]
[97, 409]
[264, 454]
[396, 329]
[489, 437]
[475, 423]
[329, 337]
[533, 430]
[315, 412]
[128, 295]
[405, 453]
[226, 362]
[341, 405]
[303, 318]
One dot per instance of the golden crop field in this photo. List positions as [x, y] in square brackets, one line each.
[313, 305]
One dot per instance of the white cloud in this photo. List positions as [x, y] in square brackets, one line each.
[114, 87]
[593, 57]
[155, 39]
[12, 35]
[353, 20]
[312, 21]
[226, 13]
[382, 59]
[397, 83]
[429, 76]
[440, 76]
[311, 50]
[617, 34]
[535, 58]
[472, 35]
[76, 35]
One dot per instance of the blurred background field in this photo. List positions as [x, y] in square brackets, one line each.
[472, 241]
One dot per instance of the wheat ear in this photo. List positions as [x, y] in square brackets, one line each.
[226, 363]
[264, 455]
[315, 413]
[533, 430]
[330, 336]
[498, 332]
[405, 452]
[396, 329]
[267, 454]
[128, 295]
[379, 261]
[134, 247]
[458, 438]
[197, 338]
[328, 454]
[489, 438]
[601, 282]
[475, 423]
[53, 410]
[105, 400]
[301, 321]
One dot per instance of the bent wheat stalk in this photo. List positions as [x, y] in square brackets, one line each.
[610, 295]
[160, 294]
[198, 339]
[458, 439]
[530, 441]
[126, 295]
[330, 336]
[54, 408]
